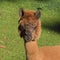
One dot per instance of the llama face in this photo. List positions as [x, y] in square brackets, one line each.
[28, 24]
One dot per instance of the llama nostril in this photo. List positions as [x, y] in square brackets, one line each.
[28, 33]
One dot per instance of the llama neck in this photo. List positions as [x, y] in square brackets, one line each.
[32, 51]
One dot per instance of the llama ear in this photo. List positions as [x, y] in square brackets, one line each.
[38, 13]
[21, 12]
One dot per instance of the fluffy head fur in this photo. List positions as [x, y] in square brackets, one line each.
[29, 24]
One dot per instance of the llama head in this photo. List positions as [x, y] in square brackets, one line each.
[28, 24]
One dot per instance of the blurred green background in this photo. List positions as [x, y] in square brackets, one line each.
[9, 16]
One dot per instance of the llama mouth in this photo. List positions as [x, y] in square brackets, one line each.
[27, 36]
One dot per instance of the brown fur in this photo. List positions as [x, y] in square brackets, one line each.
[34, 26]
[31, 47]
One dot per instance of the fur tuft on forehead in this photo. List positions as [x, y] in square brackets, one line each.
[29, 12]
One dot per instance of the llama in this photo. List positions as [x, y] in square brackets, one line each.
[29, 28]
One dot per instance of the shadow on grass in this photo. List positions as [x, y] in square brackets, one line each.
[24, 0]
[54, 27]
[9, 0]
[42, 0]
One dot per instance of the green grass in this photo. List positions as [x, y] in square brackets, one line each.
[9, 17]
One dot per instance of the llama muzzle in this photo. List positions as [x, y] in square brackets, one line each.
[25, 32]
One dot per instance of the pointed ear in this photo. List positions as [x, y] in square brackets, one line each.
[21, 12]
[37, 14]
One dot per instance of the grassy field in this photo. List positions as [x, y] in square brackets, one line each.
[9, 17]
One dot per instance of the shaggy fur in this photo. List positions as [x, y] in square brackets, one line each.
[30, 29]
